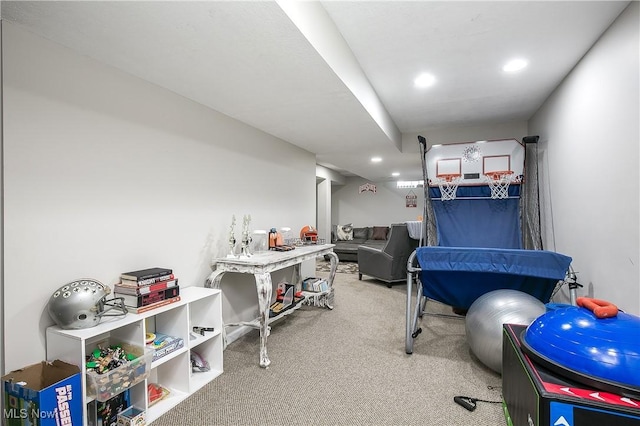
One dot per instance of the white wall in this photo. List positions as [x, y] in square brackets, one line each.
[589, 137]
[105, 173]
[325, 179]
[2, 370]
[382, 208]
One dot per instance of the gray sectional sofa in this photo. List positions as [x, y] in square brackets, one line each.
[370, 236]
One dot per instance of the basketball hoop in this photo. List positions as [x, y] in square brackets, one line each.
[448, 185]
[499, 183]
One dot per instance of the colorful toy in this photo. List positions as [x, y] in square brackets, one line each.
[156, 393]
[101, 360]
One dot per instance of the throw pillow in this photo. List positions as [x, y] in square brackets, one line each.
[380, 232]
[345, 232]
[360, 233]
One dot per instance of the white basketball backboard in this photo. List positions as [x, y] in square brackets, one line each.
[472, 160]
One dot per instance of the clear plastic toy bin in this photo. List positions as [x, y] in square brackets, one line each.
[133, 367]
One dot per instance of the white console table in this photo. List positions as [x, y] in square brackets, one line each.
[261, 265]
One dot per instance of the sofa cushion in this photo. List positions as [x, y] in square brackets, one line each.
[377, 244]
[345, 232]
[361, 234]
[346, 248]
[380, 233]
[357, 241]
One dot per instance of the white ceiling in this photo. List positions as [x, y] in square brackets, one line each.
[336, 77]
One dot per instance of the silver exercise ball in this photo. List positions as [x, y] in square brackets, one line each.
[487, 314]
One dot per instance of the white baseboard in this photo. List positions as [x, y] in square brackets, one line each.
[237, 333]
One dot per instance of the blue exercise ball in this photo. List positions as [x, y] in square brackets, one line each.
[600, 352]
[486, 316]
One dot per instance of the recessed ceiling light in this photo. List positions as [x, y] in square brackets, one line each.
[515, 65]
[395, 174]
[376, 159]
[424, 80]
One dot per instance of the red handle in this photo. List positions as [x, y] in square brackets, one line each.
[600, 308]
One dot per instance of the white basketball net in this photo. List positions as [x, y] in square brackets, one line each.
[499, 184]
[448, 185]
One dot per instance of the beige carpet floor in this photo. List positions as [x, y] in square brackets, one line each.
[343, 267]
[348, 366]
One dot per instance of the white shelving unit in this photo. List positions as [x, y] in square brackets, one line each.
[198, 307]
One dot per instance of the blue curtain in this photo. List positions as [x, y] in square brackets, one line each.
[478, 223]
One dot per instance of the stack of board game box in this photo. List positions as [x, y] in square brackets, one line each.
[315, 285]
[147, 289]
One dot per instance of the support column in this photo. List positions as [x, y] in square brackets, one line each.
[323, 194]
